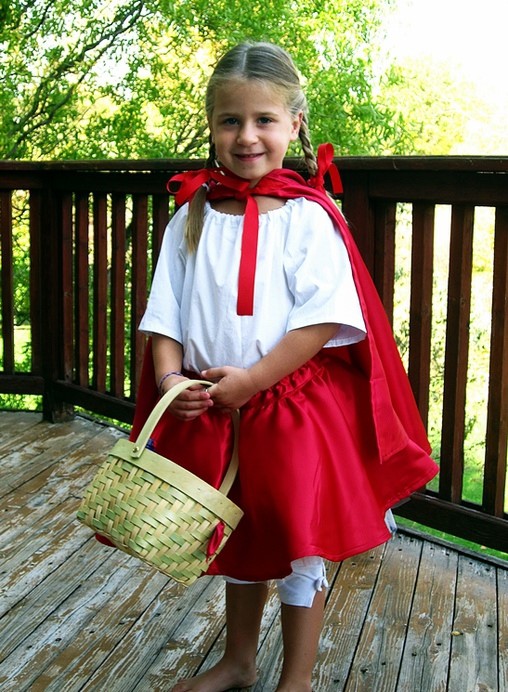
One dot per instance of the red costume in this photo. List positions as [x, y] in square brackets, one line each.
[324, 452]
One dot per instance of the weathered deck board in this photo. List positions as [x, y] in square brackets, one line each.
[474, 635]
[348, 604]
[428, 642]
[379, 653]
[502, 610]
[411, 616]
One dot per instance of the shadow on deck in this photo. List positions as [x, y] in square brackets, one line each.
[411, 616]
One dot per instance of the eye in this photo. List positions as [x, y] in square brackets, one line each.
[265, 120]
[230, 120]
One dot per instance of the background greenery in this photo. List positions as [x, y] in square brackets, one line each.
[125, 78]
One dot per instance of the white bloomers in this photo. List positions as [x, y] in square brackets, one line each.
[298, 588]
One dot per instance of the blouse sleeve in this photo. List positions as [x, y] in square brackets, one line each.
[162, 315]
[320, 277]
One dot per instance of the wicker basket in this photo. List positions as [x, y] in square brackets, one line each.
[157, 511]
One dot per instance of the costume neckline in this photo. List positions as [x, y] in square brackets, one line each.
[283, 183]
[269, 212]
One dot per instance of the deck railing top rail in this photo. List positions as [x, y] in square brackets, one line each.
[365, 163]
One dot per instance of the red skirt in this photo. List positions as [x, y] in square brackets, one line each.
[310, 480]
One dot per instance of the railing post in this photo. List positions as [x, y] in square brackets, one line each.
[497, 410]
[52, 295]
[36, 306]
[420, 331]
[357, 209]
[456, 354]
[6, 285]
[385, 214]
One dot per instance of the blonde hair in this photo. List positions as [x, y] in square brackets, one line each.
[263, 62]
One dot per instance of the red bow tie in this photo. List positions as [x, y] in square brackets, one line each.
[222, 184]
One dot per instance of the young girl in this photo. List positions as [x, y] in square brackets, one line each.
[260, 288]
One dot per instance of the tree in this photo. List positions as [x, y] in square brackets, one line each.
[48, 60]
[432, 105]
[126, 79]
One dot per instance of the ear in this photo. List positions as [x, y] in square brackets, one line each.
[296, 124]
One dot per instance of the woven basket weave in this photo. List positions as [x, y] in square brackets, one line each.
[152, 508]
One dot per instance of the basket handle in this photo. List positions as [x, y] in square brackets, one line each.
[159, 409]
[230, 476]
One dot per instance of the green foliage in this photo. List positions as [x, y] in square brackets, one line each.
[126, 79]
[21, 258]
[431, 106]
[20, 402]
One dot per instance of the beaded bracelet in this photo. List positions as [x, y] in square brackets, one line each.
[165, 377]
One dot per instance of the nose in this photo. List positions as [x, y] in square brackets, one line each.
[247, 134]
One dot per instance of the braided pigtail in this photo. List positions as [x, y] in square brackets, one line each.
[211, 161]
[195, 219]
[196, 214]
[308, 151]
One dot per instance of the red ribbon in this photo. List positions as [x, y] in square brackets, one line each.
[215, 540]
[325, 165]
[283, 183]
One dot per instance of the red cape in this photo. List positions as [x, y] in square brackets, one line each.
[394, 411]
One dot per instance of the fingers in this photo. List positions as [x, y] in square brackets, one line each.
[191, 403]
[233, 389]
[215, 374]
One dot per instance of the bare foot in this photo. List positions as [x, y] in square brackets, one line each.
[223, 676]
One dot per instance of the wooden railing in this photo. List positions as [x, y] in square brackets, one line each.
[433, 232]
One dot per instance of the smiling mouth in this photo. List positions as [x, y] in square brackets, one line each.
[247, 157]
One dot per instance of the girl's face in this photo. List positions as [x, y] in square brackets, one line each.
[251, 128]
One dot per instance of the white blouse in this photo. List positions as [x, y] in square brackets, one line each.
[303, 277]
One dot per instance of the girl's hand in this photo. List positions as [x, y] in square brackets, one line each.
[234, 387]
[190, 403]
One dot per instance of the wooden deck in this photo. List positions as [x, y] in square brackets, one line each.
[410, 616]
